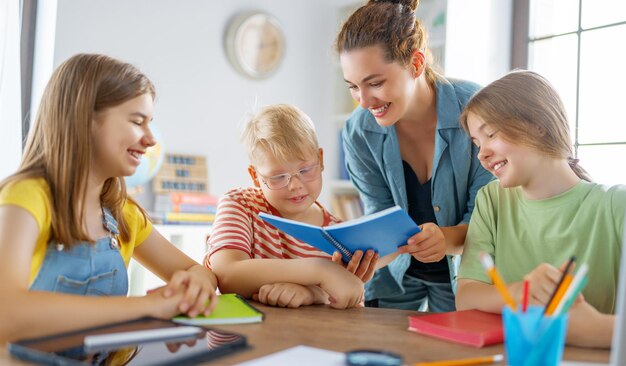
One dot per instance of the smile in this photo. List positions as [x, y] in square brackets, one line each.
[380, 110]
[298, 199]
[135, 154]
[499, 165]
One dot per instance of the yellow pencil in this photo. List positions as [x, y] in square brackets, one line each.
[487, 263]
[465, 361]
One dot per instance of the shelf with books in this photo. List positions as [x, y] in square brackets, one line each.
[347, 206]
[182, 173]
[343, 197]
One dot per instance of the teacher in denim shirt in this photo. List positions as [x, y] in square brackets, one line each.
[404, 146]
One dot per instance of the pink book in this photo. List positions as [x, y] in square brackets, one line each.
[470, 327]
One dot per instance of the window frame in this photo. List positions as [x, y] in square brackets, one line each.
[520, 45]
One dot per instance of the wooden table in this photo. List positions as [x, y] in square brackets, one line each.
[344, 330]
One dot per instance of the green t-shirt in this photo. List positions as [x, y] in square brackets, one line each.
[587, 221]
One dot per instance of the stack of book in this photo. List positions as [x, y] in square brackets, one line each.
[184, 208]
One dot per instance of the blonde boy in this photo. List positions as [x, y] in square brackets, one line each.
[251, 257]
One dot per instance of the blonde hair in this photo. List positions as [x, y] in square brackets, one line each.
[527, 110]
[391, 25]
[281, 130]
[60, 147]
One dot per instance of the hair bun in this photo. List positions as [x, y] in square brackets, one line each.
[411, 4]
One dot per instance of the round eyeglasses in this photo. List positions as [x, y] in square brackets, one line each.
[306, 174]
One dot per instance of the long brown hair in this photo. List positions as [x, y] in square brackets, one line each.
[527, 110]
[391, 25]
[60, 147]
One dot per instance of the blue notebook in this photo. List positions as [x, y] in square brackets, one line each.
[383, 231]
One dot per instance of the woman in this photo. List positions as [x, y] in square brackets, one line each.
[404, 146]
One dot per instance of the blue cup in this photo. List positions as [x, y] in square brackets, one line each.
[532, 339]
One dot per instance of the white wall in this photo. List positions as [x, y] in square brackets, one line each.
[478, 39]
[201, 100]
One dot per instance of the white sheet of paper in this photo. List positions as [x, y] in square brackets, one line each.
[575, 363]
[301, 356]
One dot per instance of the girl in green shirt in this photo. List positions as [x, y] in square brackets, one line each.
[542, 209]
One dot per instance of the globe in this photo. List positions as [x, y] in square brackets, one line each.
[150, 163]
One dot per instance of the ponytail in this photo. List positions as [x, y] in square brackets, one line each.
[579, 170]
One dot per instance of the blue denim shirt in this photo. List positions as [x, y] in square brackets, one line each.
[374, 163]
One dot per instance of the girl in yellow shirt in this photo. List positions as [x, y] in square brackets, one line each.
[68, 228]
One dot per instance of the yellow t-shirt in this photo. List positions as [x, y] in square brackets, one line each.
[33, 195]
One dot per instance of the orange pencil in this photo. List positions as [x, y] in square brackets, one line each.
[464, 362]
[487, 263]
[566, 271]
[559, 294]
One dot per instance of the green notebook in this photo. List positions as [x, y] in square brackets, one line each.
[231, 309]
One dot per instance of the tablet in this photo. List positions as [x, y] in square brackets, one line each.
[146, 341]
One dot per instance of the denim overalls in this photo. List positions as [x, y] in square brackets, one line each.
[85, 269]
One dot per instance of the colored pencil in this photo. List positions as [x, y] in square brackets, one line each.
[497, 280]
[464, 362]
[525, 296]
[566, 271]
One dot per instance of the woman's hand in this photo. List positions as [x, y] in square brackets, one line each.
[427, 246]
[198, 285]
[362, 266]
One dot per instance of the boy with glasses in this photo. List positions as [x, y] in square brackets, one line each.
[254, 259]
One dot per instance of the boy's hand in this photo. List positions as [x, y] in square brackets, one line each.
[285, 295]
[362, 266]
[344, 289]
[542, 282]
[427, 246]
[198, 284]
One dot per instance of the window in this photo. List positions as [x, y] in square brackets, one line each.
[579, 46]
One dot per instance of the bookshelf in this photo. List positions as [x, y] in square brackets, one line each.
[344, 199]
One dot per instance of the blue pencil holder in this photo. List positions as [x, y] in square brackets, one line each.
[531, 339]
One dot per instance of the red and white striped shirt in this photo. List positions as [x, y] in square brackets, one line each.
[238, 226]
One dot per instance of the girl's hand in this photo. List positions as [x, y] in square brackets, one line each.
[587, 327]
[362, 266]
[542, 283]
[198, 285]
[427, 246]
[161, 306]
[285, 295]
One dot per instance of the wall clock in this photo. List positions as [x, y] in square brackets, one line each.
[255, 44]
